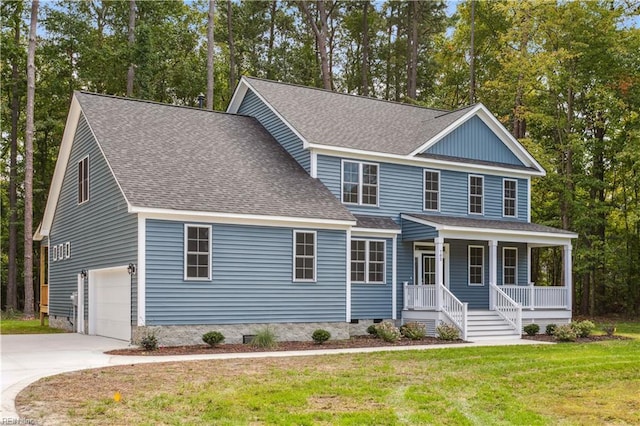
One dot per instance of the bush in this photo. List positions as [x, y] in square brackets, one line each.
[320, 336]
[373, 330]
[213, 338]
[413, 330]
[446, 331]
[264, 338]
[387, 331]
[532, 329]
[610, 329]
[565, 333]
[583, 328]
[550, 329]
[149, 342]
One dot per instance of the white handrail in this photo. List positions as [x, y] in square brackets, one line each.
[455, 310]
[507, 308]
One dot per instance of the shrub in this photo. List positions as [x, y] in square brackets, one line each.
[610, 329]
[413, 330]
[387, 331]
[565, 333]
[264, 338]
[446, 331]
[373, 330]
[550, 329]
[583, 328]
[213, 338]
[532, 329]
[149, 342]
[320, 336]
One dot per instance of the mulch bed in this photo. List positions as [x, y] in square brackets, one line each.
[547, 338]
[354, 342]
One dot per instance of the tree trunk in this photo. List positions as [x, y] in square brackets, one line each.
[412, 63]
[272, 31]
[365, 49]
[472, 56]
[212, 7]
[232, 48]
[12, 277]
[132, 40]
[321, 39]
[387, 91]
[28, 171]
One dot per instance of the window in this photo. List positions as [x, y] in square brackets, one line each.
[476, 265]
[67, 250]
[476, 191]
[304, 254]
[197, 252]
[359, 183]
[367, 261]
[509, 197]
[509, 266]
[60, 251]
[83, 180]
[431, 190]
[55, 253]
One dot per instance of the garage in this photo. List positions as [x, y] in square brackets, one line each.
[110, 303]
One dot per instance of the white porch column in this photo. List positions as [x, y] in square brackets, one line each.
[394, 286]
[568, 275]
[439, 243]
[493, 271]
[348, 277]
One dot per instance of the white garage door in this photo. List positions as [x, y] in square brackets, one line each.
[110, 300]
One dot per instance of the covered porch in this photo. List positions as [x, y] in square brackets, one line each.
[465, 266]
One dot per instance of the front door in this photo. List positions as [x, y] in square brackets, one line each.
[425, 266]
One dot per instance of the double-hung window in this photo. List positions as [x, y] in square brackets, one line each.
[367, 261]
[360, 183]
[304, 256]
[509, 266]
[83, 180]
[509, 197]
[476, 194]
[431, 190]
[197, 252]
[476, 265]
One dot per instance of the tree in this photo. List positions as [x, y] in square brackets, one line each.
[210, 46]
[132, 39]
[321, 32]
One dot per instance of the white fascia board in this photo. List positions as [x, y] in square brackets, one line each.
[241, 92]
[241, 219]
[73, 118]
[383, 157]
[371, 232]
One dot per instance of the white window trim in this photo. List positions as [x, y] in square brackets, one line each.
[515, 274]
[185, 251]
[60, 251]
[515, 204]
[469, 195]
[366, 261]
[315, 257]
[67, 250]
[54, 253]
[86, 200]
[469, 266]
[424, 189]
[360, 182]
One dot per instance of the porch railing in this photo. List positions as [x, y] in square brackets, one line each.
[455, 310]
[507, 308]
[538, 297]
[419, 296]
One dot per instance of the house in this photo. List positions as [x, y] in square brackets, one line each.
[299, 208]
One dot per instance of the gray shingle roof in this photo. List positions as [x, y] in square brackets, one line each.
[511, 225]
[355, 122]
[180, 158]
[376, 222]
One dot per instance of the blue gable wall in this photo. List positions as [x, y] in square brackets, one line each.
[252, 105]
[101, 232]
[252, 278]
[474, 140]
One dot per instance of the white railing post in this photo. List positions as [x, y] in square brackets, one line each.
[439, 245]
[568, 275]
[405, 294]
[465, 306]
[493, 273]
[532, 296]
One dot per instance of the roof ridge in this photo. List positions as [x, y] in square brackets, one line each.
[469, 107]
[349, 94]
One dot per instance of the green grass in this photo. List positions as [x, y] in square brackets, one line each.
[19, 326]
[592, 383]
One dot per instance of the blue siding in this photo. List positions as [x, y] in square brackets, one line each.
[474, 140]
[370, 301]
[101, 232]
[401, 189]
[252, 105]
[252, 278]
[412, 231]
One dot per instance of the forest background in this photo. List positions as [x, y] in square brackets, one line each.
[562, 76]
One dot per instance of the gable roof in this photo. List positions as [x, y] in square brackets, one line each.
[326, 119]
[182, 159]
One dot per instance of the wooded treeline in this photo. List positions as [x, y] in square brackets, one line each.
[564, 77]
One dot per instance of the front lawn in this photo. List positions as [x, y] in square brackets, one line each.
[20, 326]
[594, 383]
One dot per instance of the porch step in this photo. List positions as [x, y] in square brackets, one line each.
[485, 325]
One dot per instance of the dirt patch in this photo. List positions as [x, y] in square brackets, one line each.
[598, 338]
[354, 342]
